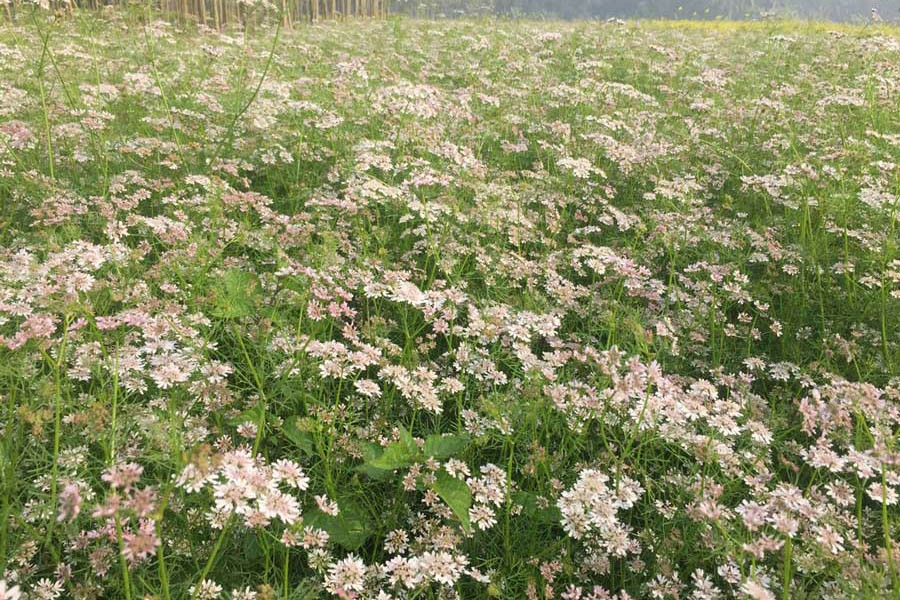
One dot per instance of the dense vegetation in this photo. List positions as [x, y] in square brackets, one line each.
[405, 309]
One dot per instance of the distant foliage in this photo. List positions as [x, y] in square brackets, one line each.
[670, 9]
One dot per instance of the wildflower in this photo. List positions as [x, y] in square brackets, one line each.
[829, 539]
[483, 516]
[244, 594]
[785, 524]
[347, 574]
[589, 510]
[754, 514]
[290, 539]
[367, 388]
[142, 502]
[840, 492]
[290, 472]
[756, 591]
[704, 588]
[457, 468]
[442, 567]
[69, 503]
[404, 571]
[247, 429]
[123, 475]
[205, 590]
[882, 494]
[396, 541]
[138, 545]
[278, 505]
[729, 572]
[48, 590]
[327, 506]
[314, 538]
[8, 592]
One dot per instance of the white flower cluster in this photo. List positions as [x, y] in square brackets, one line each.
[350, 574]
[441, 567]
[589, 511]
[245, 485]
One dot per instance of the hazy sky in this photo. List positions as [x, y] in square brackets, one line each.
[735, 9]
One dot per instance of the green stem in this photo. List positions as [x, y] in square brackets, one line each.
[263, 403]
[111, 452]
[259, 432]
[284, 574]
[126, 577]
[45, 41]
[507, 545]
[786, 575]
[57, 427]
[230, 132]
[161, 560]
[162, 95]
[886, 525]
[9, 473]
[212, 557]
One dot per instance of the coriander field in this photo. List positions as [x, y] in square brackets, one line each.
[408, 309]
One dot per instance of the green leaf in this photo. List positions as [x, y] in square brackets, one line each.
[301, 439]
[533, 510]
[370, 452]
[350, 528]
[251, 548]
[408, 441]
[456, 494]
[397, 455]
[305, 591]
[251, 415]
[237, 295]
[445, 446]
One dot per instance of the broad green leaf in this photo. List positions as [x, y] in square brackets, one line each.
[350, 528]
[397, 455]
[302, 439]
[370, 452]
[456, 494]
[251, 548]
[445, 446]
[251, 415]
[408, 442]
